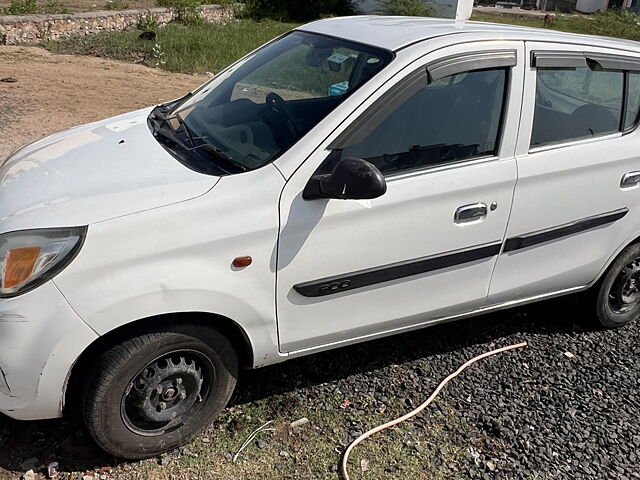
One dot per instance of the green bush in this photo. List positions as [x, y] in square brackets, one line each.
[115, 5]
[52, 6]
[26, 7]
[414, 8]
[297, 10]
[22, 7]
[187, 10]
[148, 22]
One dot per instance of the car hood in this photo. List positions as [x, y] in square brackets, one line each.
[93, 173]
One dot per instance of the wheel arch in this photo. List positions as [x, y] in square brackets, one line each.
[224, 325]
[635, 238]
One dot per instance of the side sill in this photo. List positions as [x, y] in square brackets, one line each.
[435, 321]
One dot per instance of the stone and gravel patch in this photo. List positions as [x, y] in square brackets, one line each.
[9, 113]
[568, 406]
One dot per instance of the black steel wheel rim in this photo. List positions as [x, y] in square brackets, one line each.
[168, 391]
[624, 294]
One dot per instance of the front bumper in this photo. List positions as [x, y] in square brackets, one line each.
[41, 337]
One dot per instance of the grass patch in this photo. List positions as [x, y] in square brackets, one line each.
[186, 49]
[210, 47]
[313, 451]
[613, 23]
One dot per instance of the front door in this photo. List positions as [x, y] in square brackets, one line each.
[349, 270]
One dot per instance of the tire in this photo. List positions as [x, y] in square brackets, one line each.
[155, 391]
[618, 294]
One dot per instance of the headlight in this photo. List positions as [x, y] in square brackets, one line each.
[29, 258]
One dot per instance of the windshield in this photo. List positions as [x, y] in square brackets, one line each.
[255, 111]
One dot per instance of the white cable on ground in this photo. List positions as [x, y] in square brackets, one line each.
[345, 458]
[251, 437]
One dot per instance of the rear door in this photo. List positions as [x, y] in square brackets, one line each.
[442, 135]
[578, 155]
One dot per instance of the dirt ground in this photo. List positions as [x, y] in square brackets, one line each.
[55, 92]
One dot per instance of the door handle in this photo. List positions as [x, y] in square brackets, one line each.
[631, 179]
[470, 213]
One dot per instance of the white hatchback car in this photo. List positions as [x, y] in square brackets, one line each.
[355, 178]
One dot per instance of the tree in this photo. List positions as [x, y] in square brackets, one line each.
[414, 8]
[298, 10]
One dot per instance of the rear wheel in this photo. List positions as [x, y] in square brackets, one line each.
[155, 391]
[618, 297]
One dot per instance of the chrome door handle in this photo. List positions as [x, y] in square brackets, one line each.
[470, 213]
[631, 179]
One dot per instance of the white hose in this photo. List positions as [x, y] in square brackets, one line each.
[345, 458]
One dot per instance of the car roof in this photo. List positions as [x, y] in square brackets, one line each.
[395, 33]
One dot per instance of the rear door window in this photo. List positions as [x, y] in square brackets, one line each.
[576, 103]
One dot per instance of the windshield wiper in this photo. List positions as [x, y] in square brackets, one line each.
[207, 147]
[186, 129]
[216, 152]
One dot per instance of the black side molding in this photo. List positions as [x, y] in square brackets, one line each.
[394, 271]
[541, 236]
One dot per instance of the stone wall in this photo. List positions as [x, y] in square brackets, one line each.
[35, 28]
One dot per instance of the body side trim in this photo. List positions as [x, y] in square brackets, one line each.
[554, 233]
[394, 271]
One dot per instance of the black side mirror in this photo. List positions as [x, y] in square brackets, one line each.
[351, 179]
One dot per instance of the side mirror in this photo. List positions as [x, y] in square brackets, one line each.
[351, 179]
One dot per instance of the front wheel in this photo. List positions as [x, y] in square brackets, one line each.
[156, 391]
[618, 296]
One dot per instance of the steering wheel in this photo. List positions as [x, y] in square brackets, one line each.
[278, 105]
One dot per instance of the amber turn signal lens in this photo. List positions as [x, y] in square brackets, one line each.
[240, 262]
[19, 265]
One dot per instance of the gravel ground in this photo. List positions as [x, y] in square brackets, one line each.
[9, 111]
[566, 407]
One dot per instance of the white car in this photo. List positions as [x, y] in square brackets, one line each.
[355, 178]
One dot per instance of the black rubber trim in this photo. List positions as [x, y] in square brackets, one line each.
[394, 271]
[554, 233]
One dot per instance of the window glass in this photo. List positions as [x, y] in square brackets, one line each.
[576, 103]
[453, 119]
[633, 101]
[258, 109]
[302, 73]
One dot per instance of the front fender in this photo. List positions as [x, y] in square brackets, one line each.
[179, 258]
[259, 331]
